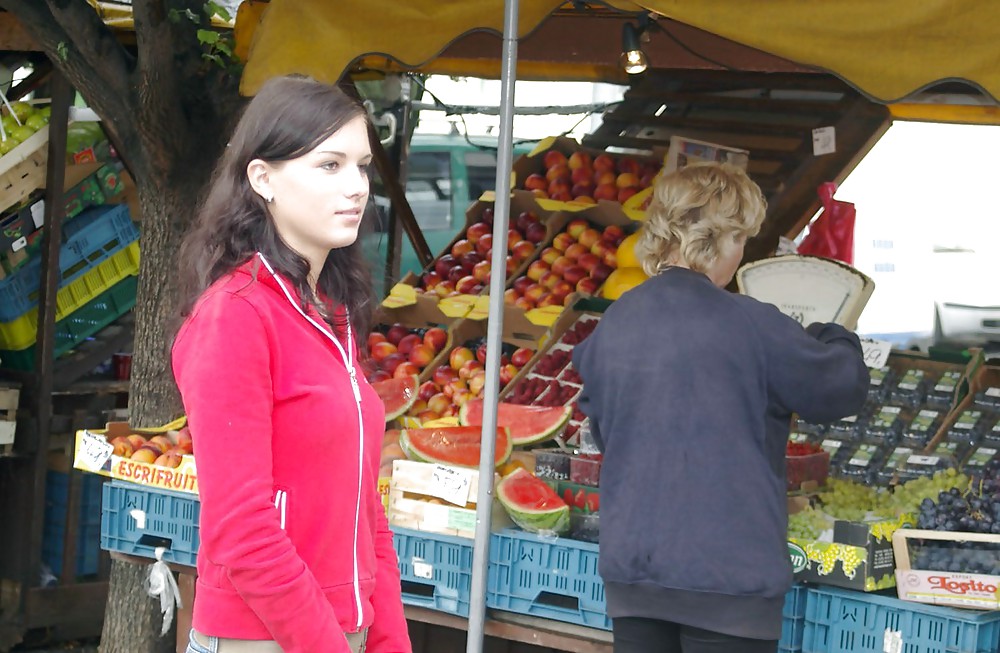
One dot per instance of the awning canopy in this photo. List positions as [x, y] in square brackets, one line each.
[887, 50]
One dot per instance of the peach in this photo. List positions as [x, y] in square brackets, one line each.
[521, 356]
[550, 279]
[379, 375]
[476, 231]
[461, 247]
[582, 175]
[606, 192]
[574, 273]
[536, 181]
[375, 337]
[549, 255]
[396, 333]
[587, 286]
[605, 177]
[562, 241]
[439, 403]
[184, 440]
[421, 356]
[562, 195]
[557, 172]
[585, 199]
[511, 264]
[428, 415]
[539, 192]
[507, 372]
[601, 248]
[579, 159]
[168, 459]
[562, 289]
[513, 237]
[485, 245]
[576, 227]
[443, 375]
[470, 367]
[575, 251]
[469, 260]
[391, 362]
[382, 349]
[613, 234]
[454, 274]
[561, 264]
[427, 390]
[476, 383]
[535, 233]
[604, 163]
[524, 220]
[523, 250]
[435, 338]
[162, 441]
[429, 281]
[524, 303]
[408, 342]
[588, 260]
[627, 192]
[560, 187]
[521, 283]
[601, 272]
[626, 179]
[122, 447]
[481, 352]
[445, 288]
[582, 188]
[466, 284]
[537, 270]
[455, 386]
[553, 158]
[510, 296]
[481, 272]
[460, 397]
[534, 292]
[418, 406]
[136, 440]
[458, 357]
[588, 237]
[146, 455]
[629, 165]
[550, 299]
[611, 259]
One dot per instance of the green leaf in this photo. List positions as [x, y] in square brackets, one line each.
[62, 49]
[214, 8]
[224, 47]
[191, 15]
[174, 16]
[208, 36]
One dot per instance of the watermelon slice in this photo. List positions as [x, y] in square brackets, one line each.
[397, 395]
[452, 445]
[532, 503]
[527, 424]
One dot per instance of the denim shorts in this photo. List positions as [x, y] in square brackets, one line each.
[215, 645]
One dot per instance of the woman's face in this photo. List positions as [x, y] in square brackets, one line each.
[320, 197]
[730, 255]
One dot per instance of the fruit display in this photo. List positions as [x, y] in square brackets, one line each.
[585, 177]
[452, 445]
[552, 381]
[465, 267]
[526, 424]
[397, 395]
[807, 464]
[399, 352]
[532, 504]
[461, 376]
[21, 124]
[580, 259]
[162, 450]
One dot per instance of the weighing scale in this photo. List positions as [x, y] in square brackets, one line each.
[808, 288]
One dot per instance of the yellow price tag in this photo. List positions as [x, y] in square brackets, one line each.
[545, 316]
[480, 309]
[441, 422]
[543, 145]
[402, 294]
[457, 306]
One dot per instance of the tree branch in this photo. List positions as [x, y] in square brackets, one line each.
[94, 41]
[158, 90]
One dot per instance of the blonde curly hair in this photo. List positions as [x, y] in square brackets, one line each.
[692, 210]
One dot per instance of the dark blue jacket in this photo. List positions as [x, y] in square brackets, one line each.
[689, 389]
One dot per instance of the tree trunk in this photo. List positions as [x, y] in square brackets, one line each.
[132, 618]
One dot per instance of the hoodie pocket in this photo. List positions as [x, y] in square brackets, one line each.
[281, 505]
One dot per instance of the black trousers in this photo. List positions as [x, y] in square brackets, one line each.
[640, 635]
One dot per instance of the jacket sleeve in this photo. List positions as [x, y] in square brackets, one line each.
[818, 372]
[221, 363]
[388, 633]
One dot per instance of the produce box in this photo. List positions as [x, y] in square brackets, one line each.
[95, 453]
[137, 519]
[88, 534]
[859, 557]
[435, 570]
[454, 270]
[22, 170]
[793, 617]
[958, 588]
[10, 394]
[839, 621]
[437, 499]
[619, 181]
[399, 325]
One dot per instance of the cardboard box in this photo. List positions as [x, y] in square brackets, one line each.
[685, 151]
[438, 499]
[859, 558]
[964, 590]
[93, 453]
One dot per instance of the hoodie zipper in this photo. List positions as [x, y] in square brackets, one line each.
[348, 357]
[281, 504]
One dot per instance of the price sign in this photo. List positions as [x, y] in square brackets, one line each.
[876, 352]
[92, 451]
[422, 570]
[449, 484]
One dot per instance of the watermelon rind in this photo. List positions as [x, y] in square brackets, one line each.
[397, 395]
[527, 424]
[417, 443]
[547, 512]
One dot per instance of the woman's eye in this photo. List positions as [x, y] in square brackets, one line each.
[330, 165]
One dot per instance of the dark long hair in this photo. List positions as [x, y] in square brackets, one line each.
[288, 118]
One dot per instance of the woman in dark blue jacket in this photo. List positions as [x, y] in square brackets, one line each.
[689, 389]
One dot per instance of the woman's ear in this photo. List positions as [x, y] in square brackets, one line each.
[257, 175]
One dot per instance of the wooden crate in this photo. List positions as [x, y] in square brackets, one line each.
[961, 589]
[22, 170]
[9, 395]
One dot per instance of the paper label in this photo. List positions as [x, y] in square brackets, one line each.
[462, 520]
[863, 456]
[824, 140]
[449, 484]
[876, 353]
[892, 642]
[967, 419]
[852, 419]
[981, 457]
[422, 569]
[923, 460]
[946, 448]
[948, 382]
[924, 420]
[92, 451]
[911, 380]
[898, 456]
[832, 446]
[993, 392]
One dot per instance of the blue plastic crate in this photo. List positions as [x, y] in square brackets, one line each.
[793, 617]
[842, 621]
[97, 233]
[88, 540]
[137, 519]
[435, 570]
[546, 577]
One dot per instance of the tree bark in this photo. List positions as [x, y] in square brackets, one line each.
[132, 620]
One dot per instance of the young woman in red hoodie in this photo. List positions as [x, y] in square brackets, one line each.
[296, 554]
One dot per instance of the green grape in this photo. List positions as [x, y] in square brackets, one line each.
[808, 524]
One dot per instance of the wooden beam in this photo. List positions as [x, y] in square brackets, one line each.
[52, 606]
[763, 103]
[744, 126]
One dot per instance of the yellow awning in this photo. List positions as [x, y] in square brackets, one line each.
[887, 49]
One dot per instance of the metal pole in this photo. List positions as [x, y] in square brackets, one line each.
[494, 329]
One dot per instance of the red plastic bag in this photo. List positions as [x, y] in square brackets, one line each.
[831, 235]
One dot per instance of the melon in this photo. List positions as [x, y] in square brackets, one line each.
[532, 504]
[527, 424]
[452, 445]
[397, 395]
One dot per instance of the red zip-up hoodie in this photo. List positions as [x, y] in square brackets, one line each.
[295, 546]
